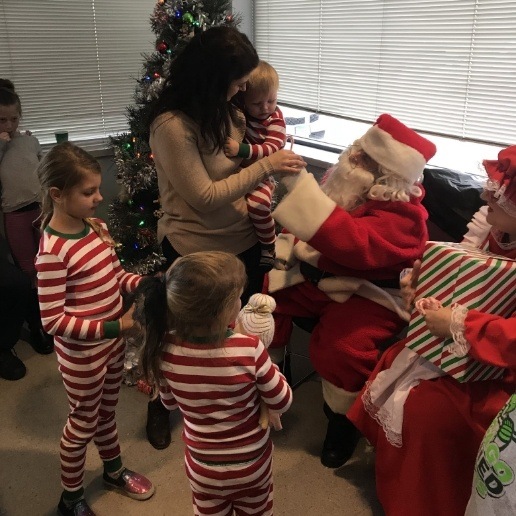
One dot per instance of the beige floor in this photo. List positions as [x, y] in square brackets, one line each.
[33, 411]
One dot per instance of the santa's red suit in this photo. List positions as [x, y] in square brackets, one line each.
[343, 266]
[369, 245]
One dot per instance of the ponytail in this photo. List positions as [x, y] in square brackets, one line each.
[152, 313]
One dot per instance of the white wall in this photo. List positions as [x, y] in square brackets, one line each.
[245, 9]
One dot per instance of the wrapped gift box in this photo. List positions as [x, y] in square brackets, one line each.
[454, 273]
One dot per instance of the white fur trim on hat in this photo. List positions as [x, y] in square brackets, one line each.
[392, 155]
[399, 150]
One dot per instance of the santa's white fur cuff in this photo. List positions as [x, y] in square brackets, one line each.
[304, 209]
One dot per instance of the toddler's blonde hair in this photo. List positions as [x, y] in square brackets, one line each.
[263, 79]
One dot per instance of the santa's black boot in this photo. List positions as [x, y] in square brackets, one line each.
[341, 439]
[158, 424]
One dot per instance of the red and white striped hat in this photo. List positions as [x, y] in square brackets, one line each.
[399, 150]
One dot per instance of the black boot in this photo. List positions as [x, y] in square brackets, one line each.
[41, 342]
[158, 424]
[11, 367]
[341, 439]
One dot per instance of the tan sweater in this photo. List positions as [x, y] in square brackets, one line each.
[202, 192]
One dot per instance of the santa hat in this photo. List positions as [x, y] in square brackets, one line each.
[256, 318]
[399, 150]
[501, 174]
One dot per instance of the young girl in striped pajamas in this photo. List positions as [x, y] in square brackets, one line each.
[216, 377]
[265, 133]
[80, 282]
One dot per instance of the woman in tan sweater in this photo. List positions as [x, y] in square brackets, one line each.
[201, 190]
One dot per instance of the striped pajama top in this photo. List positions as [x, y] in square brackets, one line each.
[80, 281]
[265, 136]
[218, 390]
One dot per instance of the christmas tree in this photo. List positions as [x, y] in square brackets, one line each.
[134, 214]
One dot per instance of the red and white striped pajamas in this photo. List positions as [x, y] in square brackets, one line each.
[264, 137]
[80, 281]
[228, 456]
[259, 210]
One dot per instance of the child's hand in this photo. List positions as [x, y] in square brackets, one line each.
[5, 136]
[269, 418]
[126, 321]
[231, 148]
[275, 420]
[438, 321]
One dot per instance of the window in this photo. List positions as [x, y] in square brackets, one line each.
[442, 67]
[74, 64]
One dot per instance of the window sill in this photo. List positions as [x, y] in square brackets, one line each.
[99, 148]
[316, 157]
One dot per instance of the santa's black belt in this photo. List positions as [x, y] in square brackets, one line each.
[314, 275]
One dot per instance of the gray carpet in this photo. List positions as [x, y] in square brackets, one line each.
[33, 411]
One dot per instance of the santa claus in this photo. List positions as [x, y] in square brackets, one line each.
[339, 262]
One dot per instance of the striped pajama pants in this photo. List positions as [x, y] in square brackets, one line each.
[259, 210]
[92, 377]
[240, 489]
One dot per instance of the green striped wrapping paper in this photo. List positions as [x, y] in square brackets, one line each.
[453, 273]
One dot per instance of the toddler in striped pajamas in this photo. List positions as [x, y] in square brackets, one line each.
[265, 133]
[216, 378]
[80, 282]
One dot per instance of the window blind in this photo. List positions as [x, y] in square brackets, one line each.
[74, 63]
[441, 66]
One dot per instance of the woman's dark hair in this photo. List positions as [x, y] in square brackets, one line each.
[8, 97]
[198, 292]
[199, 78]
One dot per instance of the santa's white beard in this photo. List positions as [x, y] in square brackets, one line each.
[347, 184]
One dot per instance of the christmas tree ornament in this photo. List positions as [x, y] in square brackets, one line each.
[162, 47]
[188, 18]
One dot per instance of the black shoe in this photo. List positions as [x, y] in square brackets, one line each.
[158, 424]
[11, 367]
[77, 508]
[341, 439]
[41, 342]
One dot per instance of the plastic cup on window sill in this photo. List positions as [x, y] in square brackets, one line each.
[61, 136]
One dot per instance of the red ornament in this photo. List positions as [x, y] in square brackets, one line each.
[162, 47]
